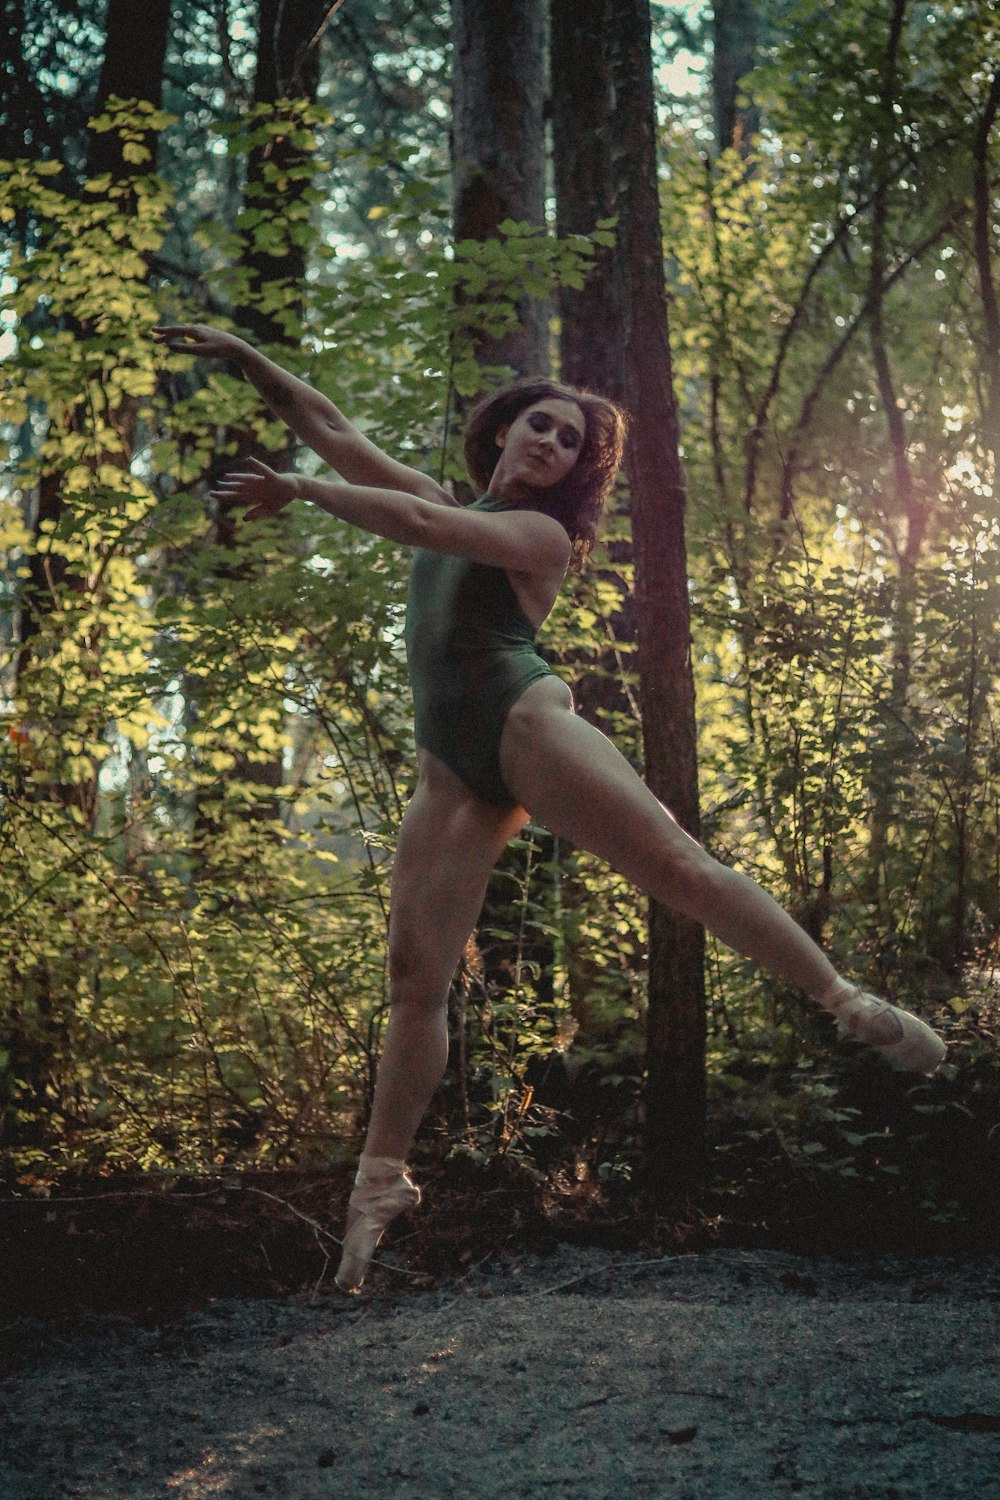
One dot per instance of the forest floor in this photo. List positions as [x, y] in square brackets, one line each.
[542, 1366]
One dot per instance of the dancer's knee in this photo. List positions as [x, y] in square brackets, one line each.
[415, 974]
[690, 880]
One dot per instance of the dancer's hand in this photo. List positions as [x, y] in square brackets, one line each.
[265, 491]
[200, 339]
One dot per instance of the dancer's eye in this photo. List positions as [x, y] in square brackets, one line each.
[569, 437]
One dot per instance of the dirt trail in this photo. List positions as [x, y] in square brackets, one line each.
[585, 1374]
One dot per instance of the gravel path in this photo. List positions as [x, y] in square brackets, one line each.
[584, 1375]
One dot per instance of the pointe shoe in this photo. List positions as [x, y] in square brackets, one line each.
[382, 1189]
[905, 1042]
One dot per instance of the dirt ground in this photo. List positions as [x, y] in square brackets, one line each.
[583, 1373]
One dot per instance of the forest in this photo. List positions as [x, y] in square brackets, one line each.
[771, 229]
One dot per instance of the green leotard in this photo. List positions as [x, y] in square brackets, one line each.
[471, 654]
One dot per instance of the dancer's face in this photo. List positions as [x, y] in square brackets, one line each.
[542, 443]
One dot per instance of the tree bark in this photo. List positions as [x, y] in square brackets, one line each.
[735, 27]
[588, 170]
[630, 360]
[130, 70]
[134, 49]
[498, 153]
[982, 240]
[498, 146]
[675, 1106]
[913, 509]
[287, 70]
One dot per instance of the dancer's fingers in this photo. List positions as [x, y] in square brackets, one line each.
[243, 480]
[176, 335]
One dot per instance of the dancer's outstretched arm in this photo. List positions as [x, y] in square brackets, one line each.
[525, 542]
[312, 417]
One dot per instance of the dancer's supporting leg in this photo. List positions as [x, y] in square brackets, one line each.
[578, 784]
[448, 843]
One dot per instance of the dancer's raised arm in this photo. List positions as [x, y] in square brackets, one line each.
[312, 417]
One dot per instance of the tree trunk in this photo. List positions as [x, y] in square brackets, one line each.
[34, 1028]
[983, 241]
[134, 49]
[588, 170]
[735, 27]
[621, 316]
[498, 146]
[675, 1108]
[130, 70]
[279, 176]
[912, 508]
[287, 69]
[498, 151]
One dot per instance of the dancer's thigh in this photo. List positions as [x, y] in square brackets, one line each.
[576, 783]
[448, 843]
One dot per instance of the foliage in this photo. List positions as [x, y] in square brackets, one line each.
[193, 956]
[206, 740]
[846, 618]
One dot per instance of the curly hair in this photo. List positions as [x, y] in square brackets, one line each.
[577, 501]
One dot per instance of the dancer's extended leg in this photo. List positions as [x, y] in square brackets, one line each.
[448, 843]
[578, 784]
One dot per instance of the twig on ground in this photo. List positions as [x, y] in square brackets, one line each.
[326, 1262]
[318, 1229]
[614, 1270]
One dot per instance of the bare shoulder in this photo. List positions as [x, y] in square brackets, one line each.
[550, 540]
[522, 541]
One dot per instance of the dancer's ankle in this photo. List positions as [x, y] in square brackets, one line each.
[373, 1168]
[834, 995]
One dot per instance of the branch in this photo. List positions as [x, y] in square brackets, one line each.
[317, 35]
[840, 349]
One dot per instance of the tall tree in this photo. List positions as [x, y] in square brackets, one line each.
[675, 1104]
[588, 173]
[92, 429]
[735, 28]
[498, 146]
[498, 155]
[983, 231]
[274, 236]
[912, 507]
[279, 171]
[606, 51]
[129, 70]
[132, 69]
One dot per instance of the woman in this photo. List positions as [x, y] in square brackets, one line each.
[496, 733]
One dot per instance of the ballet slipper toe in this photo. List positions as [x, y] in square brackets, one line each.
[373, 1205]
[901, 1039]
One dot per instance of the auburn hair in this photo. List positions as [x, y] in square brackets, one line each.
[577, 501]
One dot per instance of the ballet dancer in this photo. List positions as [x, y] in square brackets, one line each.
[497, 738]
